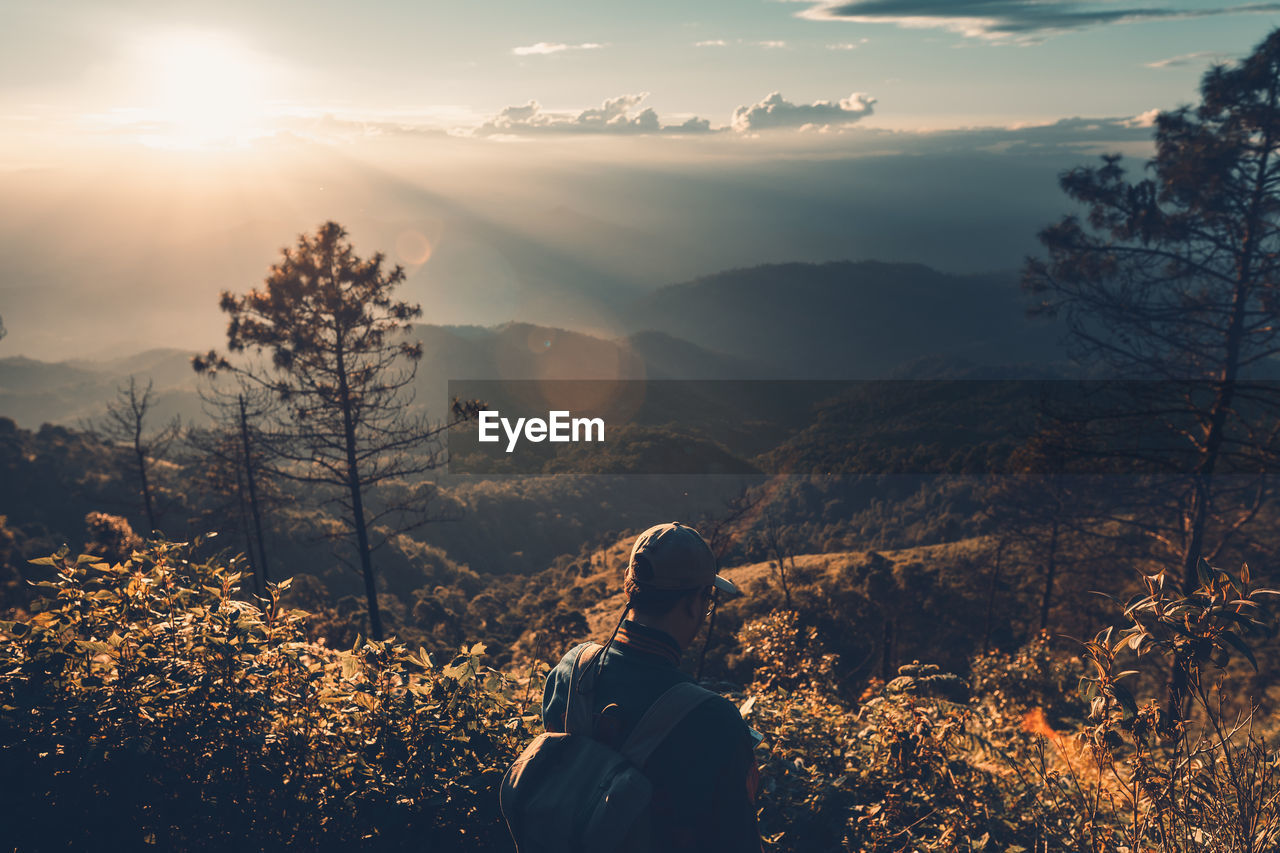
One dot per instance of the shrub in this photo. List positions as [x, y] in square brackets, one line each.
[910, 768]
[147, 703]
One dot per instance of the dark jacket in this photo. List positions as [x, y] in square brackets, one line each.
[704, 774]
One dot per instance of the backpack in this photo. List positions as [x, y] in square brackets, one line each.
[570, 793]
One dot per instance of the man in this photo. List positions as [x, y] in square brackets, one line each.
[703, 773]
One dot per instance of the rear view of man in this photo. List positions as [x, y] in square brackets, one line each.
[703, 772]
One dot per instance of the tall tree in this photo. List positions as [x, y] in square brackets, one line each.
[342, 364]
[126, 423]
[1174, 277]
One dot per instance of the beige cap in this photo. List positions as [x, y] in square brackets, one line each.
[675, 556]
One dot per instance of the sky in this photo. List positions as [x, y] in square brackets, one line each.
[549, 160]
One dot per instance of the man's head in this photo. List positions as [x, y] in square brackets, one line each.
[671, 580]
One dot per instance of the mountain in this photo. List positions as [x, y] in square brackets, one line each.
[851, 320]
[668, 357]
[846, 320]
[35, 392]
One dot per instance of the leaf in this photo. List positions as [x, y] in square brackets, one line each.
[1242, 647]
[1204, 571]
[1126, 700]
[1245, 576]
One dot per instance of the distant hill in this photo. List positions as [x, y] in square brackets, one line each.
[835, 320]
[518, 351]
[669, 357]
[851, 319]
[35, 392]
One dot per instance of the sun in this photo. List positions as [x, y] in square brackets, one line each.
[200, 90]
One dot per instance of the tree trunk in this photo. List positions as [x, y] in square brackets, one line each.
[254, 507]
[782, 577]
[886, 650]
[1050, 569]
[241, 504]
[357, 501]
[146, 488]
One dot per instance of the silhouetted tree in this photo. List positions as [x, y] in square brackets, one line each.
[126, 424]
[234, 459]
[778, 543]
[1051, 513]
[342, 365]
[1176, 278]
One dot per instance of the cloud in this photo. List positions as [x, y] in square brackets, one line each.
[1083, 135]
[768, 44]
[1147, 119]
[775, 112]
[848, 45]
[616, 115]
[1010, 20]
[544, 48]
[1200, 57]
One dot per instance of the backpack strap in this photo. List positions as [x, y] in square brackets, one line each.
[582, 683]
[663, 715]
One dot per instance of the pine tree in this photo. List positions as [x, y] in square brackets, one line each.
[342, 364]
[1176, 278]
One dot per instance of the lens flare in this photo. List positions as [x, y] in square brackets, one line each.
[413, 248]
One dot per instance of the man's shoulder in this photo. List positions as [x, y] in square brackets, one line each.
[721, 715]
[572, 655]
[564, 668]
[715, 724]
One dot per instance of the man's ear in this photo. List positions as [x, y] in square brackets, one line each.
[692, 604]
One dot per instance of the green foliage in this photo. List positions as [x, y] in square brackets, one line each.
[147, 703]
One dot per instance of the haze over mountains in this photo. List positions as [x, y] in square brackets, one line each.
[103, 259]
[821, 321]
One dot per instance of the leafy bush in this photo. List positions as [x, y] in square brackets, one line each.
[1194, 772]
[912, 767]
[146, 703]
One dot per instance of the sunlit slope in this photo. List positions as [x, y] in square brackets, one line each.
[817, 569]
